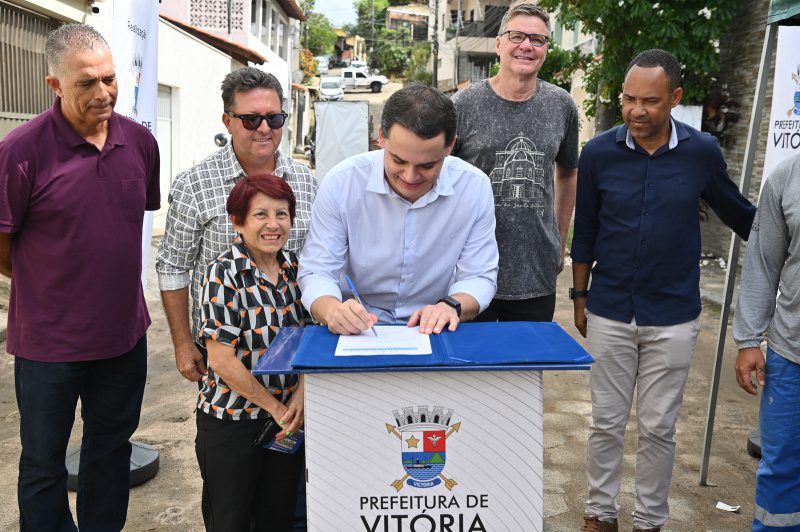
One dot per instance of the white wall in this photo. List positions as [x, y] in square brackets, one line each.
[194, 71]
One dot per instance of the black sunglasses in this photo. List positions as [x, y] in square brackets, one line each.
[253, 122]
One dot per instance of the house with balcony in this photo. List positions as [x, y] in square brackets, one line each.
[411, 19]
[466, 31]
[270, 28]
[348, 47]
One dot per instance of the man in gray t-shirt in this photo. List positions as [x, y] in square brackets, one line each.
[522, 131]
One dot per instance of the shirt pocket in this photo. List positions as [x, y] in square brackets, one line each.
[133, 199]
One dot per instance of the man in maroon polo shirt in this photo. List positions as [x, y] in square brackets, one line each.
[74, 184]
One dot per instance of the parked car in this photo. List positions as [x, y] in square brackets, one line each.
[359, 64]
[330, 89]
[322, 64]
[355, 77]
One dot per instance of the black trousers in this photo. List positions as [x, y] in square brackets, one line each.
[534, 309]
[111, 393]
[245, 488]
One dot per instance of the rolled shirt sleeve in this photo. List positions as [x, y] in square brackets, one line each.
[178, 251]
[476, 270]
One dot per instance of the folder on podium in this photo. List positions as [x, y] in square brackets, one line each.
[453, 440]
[473, 346]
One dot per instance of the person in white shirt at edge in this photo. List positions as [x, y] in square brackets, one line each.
[412, 226]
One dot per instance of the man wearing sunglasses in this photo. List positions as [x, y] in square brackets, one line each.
[198, 229]
[522, 131]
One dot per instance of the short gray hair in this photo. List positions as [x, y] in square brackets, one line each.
[69, 39]
[528, 9]
[246, 79]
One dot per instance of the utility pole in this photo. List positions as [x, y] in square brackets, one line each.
[305, 13]
[435, 79]
[372, 38]
[458, 33]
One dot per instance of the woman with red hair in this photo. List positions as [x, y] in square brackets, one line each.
[248, 293]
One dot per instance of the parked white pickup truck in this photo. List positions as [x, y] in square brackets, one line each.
[358, 78]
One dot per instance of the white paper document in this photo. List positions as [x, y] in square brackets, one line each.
[391, 340]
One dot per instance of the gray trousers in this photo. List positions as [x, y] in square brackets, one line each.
[655, 361]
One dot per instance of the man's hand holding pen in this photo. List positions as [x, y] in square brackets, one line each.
[348, 317]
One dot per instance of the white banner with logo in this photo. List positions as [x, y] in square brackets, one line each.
[134, 46]
[783, 139]
[425, 451]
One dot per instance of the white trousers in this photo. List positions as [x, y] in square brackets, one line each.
[655, 361]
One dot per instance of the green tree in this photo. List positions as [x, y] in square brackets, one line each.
[558, 67]
[417, 69]
[363, 25]
[689, 29]
[390, 53]
[321, 34]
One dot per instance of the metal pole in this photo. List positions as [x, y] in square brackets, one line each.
[305, 13]
[229, 16]
[458, 33]
[435, 80]
[372, 22]
[770, 39]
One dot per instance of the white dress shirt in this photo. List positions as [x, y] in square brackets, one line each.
[401, 256]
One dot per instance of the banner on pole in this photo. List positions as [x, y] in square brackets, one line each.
[135, 49]
[783, 139]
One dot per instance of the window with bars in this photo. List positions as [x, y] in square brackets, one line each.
[23, 66]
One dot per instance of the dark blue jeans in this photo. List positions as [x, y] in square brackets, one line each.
[111, 397]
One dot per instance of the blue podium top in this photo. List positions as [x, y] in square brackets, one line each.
[498, 346]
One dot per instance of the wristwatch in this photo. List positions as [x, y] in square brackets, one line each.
[453, 302]
[575, 294]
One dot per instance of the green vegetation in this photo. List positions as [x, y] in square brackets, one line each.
[436, 459]
[690, 29]
[417, 69]
[321, 34]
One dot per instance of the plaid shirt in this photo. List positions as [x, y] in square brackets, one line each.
[198, 228]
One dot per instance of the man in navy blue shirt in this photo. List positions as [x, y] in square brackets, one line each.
[637, 235]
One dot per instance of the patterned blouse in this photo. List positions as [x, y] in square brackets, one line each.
[242, 309]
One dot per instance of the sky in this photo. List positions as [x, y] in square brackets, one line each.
[339, 12]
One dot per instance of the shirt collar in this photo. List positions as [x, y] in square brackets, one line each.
[243, 261]
[442, 187]
[115, 136]
[282, 164]
[673, 136]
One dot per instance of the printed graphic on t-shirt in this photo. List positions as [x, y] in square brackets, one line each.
[518, 175]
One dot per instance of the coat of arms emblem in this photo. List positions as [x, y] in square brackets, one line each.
[423, 433]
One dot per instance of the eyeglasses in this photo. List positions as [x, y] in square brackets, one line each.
[253, 122]
[518, 37]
